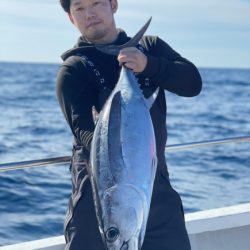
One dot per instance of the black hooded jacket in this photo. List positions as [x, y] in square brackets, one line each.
[78, 85]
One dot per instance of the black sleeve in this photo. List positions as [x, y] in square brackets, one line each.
[169, 70]
[76, 96]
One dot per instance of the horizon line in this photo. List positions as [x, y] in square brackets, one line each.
[59, 63]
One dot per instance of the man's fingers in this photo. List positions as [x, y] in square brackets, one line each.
[125, 55]
[133, 59]
[130, 65]
[129, 49]
[131, 52]
[122, 58]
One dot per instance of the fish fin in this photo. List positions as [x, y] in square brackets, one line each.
[150, 101]
[115, 50]
[95, 115]
[114, 138]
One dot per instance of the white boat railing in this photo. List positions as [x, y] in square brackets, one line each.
[66, 159]
[226, 228]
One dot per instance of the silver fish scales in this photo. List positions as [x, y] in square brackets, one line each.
[123, 162]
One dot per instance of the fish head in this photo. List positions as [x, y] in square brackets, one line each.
[123, 220]
[122, 232]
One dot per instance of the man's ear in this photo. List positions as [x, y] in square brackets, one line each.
[114, 5]
[70, 18]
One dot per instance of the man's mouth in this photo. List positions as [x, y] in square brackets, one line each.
[93, 24]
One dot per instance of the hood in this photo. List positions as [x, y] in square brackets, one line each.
[83, 45]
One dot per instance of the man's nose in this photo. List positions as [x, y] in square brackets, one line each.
[89, 13]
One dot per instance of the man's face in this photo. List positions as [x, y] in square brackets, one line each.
[94, 19]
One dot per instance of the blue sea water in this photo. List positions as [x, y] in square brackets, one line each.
[33, 202]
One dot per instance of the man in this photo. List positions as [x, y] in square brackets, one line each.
[85, 80]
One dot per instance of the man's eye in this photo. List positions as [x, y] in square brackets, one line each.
[79, 9]
[96, 3]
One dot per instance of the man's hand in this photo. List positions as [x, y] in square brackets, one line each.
[133, 59]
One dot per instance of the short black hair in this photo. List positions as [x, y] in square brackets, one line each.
[66, 5]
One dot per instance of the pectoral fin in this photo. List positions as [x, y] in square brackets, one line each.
[150, 101]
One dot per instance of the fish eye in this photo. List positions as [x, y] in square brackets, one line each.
[112, 234]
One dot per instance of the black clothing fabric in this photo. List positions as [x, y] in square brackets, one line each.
[79, 88]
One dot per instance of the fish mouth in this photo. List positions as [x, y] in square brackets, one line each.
[124, 246]
[112, 234]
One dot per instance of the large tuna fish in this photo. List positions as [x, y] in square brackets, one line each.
[123, 162]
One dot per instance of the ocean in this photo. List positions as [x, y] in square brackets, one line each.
[33, 202]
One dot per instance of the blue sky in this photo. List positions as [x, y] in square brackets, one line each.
[211, 33]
